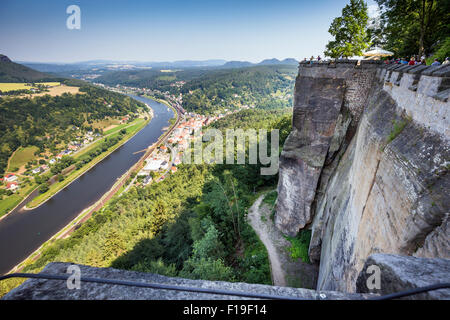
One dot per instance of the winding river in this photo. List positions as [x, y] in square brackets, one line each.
[23, 231]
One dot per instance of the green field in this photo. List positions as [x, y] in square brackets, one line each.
[167, 78]
[22, 156]
[5, 87]
[9, 202]
[12, 86]
[49, 84]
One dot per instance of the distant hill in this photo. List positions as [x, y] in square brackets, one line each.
[237, 64]
[270, 61]
[266, 62]
[60, 68]
[14, 72]
[276, 61]
[289, 61]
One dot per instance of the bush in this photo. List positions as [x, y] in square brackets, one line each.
[43, 188]
[442, 52]
[300, 245]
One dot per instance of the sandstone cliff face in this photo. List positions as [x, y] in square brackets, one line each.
[317, 109]
[384, 189]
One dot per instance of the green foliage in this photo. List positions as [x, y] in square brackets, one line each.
[193, 224]
[414, 26]
[397, 128]
[14, 72]
[349, 31]
[43, 188]
[158, 267]
[265, 87]
[300, 245]
[442, 52]
[43, 121]
[207, 269]
[270, 198]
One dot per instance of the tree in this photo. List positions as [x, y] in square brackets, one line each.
[414, 26]
[349, 31]
[43, 188]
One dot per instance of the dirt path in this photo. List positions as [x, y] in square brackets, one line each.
[285, 271]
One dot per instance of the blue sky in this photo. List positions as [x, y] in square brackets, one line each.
[166, 30]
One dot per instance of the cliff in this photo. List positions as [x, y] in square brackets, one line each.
[366, 165]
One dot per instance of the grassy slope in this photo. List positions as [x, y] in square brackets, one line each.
[21, 157]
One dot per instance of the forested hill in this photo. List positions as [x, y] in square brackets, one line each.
[14, 72]
[153, 78]
[211, 91]
[46, 121]
[263, 87]
[192, 225]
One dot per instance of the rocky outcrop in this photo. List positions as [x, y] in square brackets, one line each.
[316, 112]
[328, 102]
[385, 188]
[401, 273]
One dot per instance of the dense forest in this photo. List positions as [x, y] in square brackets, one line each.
[153, 78]
[47, 120]
[262, 86]
[191, 225]
[209, 91]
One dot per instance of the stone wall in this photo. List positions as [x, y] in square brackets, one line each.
[422, 92]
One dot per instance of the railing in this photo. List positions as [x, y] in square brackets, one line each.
[64, 277]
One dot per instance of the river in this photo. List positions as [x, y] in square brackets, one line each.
[23, 231]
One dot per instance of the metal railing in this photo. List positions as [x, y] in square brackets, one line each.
[211, 291]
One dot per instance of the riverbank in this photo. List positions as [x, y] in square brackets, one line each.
[18, 199]
[87, 212]
[56, 187]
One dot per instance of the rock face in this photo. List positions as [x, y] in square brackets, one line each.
[327, 100]
[400, 273]
[316, 112]
[384, 184]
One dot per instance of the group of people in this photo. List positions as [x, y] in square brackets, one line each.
[415, 61]
[312, 59]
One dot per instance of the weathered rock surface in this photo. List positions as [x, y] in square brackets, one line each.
[382, 189]
[400, 273]
[316, 111]
[40, 289]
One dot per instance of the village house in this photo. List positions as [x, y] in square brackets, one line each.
[10, 177]
[147, 180]
[164, 165]
[12, 186]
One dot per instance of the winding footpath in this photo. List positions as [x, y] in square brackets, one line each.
[285, 271]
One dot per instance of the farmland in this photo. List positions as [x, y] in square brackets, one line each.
[5, 87]
[21, 157]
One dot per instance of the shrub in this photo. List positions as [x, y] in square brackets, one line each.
[300, 245]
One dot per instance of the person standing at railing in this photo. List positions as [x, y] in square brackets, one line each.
[436, 63]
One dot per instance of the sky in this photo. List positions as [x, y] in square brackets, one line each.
[166, 30]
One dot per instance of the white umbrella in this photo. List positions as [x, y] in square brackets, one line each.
[378, 52]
